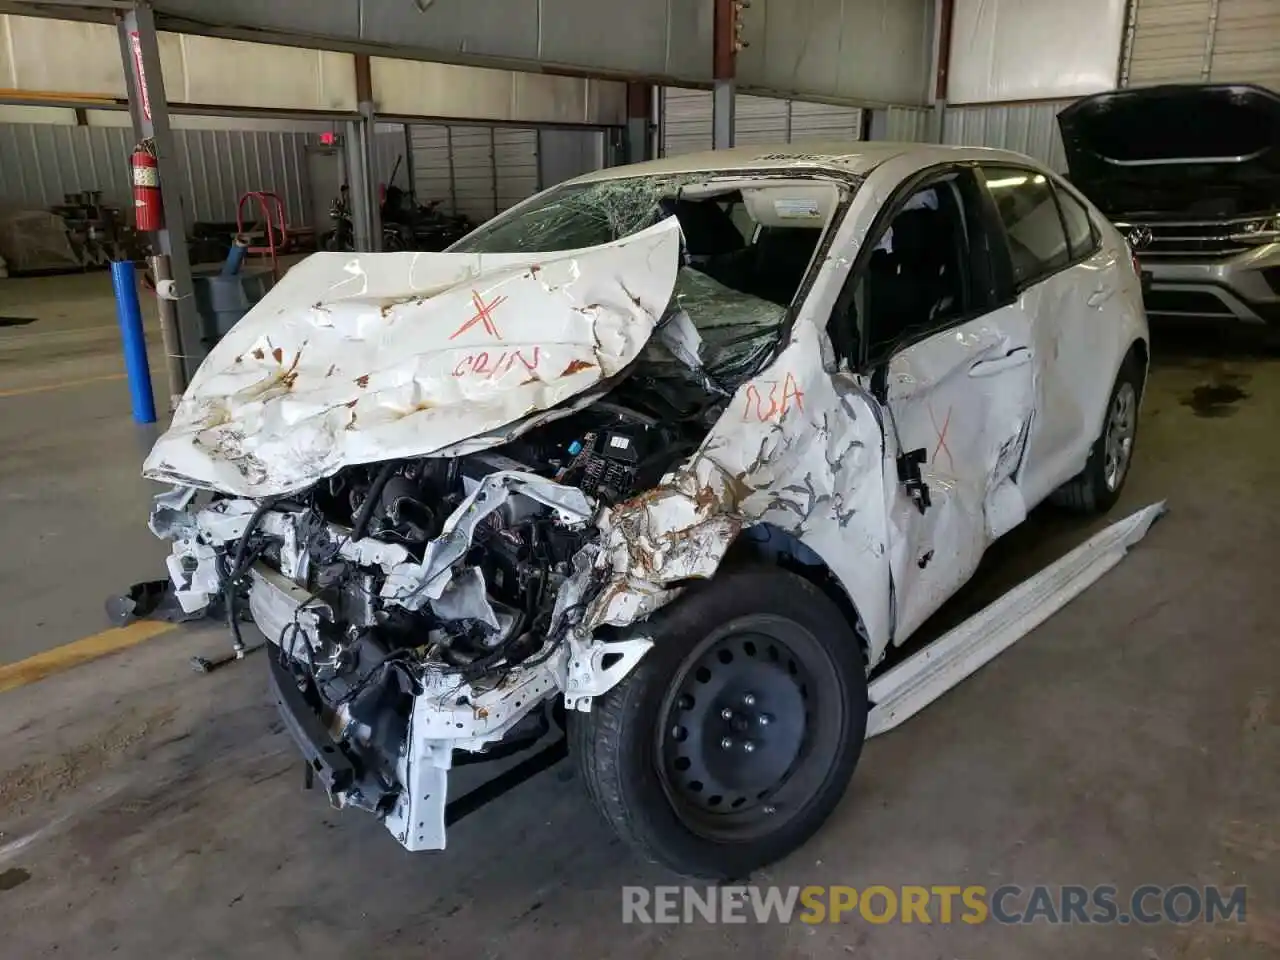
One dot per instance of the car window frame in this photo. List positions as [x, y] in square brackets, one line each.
[991, 291]
[1095, 235]
[1052, 179]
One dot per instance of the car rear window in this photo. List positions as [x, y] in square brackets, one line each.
[1080, 233]
[1037, 240]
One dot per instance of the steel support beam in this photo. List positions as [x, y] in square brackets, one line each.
[362, 182]
[410, 170]
[149, 109]
[639, 135]
[722, 114]
[943, 25]
[724, 57]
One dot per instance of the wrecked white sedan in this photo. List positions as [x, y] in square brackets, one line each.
[682, 447]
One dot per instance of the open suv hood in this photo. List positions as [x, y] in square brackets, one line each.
[1200, 150]
[360, 358]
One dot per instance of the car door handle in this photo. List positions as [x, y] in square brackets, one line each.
[1014, 358]
[1099, 296]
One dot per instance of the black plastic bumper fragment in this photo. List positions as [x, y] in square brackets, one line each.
[322, 754]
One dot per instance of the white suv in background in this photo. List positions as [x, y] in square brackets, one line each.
[1190, 174]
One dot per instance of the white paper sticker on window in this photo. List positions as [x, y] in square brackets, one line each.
[796, 209]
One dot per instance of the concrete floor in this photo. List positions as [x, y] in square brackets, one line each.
[1131, 739]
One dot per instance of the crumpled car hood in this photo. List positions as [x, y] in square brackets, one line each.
[358, 358]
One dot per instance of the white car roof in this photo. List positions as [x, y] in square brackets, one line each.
[844, 156]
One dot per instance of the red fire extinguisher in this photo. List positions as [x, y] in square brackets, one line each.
[146, 189]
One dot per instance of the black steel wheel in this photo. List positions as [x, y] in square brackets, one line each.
[734, 738]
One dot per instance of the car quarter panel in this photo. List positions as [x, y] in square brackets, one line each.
[1084, 321]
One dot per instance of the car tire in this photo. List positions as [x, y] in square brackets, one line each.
[734, 738]
[1098, 486]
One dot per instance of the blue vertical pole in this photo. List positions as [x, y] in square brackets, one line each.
[129, 312]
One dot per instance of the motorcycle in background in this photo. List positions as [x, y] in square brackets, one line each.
[406, 224]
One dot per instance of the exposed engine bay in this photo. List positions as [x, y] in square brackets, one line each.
[444, 594]
[443, 518]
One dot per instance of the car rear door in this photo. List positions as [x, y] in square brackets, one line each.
[1065, 283]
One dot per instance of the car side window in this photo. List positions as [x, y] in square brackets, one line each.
[927, 269]
[1037, 239]
[1080, 233]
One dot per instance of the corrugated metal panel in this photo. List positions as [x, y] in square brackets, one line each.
[1169, 41]
[1030, 128]
[687, 121]
[221, 165]
[515, 156]
[824, 121]
[1192, 40]
[41, 162]
[1246, 43]
[432, 169]
[908, 124]
[388, 147]
[473, 172]
[759, 120]
[563, 154]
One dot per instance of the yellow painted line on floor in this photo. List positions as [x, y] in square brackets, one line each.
[13, 675]
[61, 385]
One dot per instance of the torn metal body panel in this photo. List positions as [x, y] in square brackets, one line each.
[454, 489]
[357, 359]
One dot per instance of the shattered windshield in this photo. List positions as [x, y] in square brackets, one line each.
[747, 247]
[576, 215]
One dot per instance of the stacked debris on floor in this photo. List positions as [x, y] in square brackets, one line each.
[80, 233]
[35, 240]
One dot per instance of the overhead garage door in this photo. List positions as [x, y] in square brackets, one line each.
[1246, 45]
[824, 121]
[471, 149]
[515, 157]
[478, 171]
[687, 121]
[432, 169]
[1194, 40]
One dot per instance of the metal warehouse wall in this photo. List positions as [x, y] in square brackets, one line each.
[686, 122]
[1030, 128]
[908, 125]
[480, 171]
[874, 50]
[653, 37]
[40, 162]
[564, 154]
[1014, 50]
[1193, 40]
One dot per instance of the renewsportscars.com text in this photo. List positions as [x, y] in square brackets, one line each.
[940, 904]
